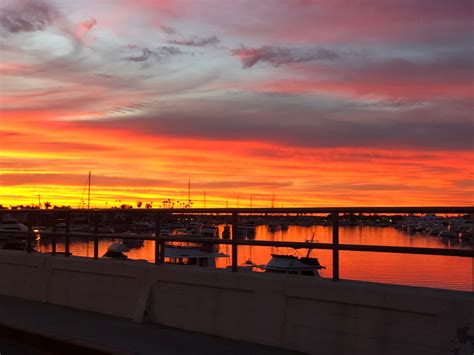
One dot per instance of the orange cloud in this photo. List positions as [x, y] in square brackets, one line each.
[128, 166]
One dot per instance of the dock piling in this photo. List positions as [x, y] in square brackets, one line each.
[335, 243]
[235, 216]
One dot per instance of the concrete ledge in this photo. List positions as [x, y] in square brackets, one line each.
[106, 287]
[298, 313]
[22, 275]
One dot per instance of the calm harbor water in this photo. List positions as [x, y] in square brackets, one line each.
[416, 270]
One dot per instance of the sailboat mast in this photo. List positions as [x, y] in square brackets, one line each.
[309, 249]
[189, 192]
[89, 192]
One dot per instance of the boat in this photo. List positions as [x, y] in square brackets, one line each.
[209, 231]
[191, 256]
[273, 227]
[131, 239]
[15, 244]
[448, 234]
[79, 227]
[226, 232]
[12, 225]
[9, 232]
[143, 227]
[117, 251]
[289, 264]
[165, 231]
[247, 266]
[193, 228]
[250, 228]
[466, 236]
[293, 265]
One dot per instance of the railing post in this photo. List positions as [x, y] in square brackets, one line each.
[30, 232]
[159, 254]
[335, 244]
[234, 241]
[53, 237]
[472, 248]
[68, 230]
[96, 238]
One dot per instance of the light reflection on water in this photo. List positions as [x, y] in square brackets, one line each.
[417, 270]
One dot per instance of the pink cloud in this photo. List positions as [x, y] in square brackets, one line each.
[447, 77]
[322, 21]
[343, 21]
[84, 27]
[167, 29]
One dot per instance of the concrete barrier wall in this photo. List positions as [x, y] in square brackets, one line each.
[22, 275]
[311, 315]
[314, 316]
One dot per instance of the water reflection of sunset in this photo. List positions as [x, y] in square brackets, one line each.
[416, 270]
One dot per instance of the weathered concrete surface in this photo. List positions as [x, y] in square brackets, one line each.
[311, 315]
[73, 331]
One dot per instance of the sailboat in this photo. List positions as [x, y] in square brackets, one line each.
[88, 186]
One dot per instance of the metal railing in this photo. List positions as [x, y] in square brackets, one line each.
[235, 242]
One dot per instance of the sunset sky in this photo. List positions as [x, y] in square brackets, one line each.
[330, 102]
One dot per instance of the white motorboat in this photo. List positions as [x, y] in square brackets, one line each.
[191, 256]
[116, 251]
[12, 225]
[289, 264]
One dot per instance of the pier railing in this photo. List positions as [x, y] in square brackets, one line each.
[235, 241]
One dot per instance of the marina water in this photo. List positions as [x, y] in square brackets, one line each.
[404, 269]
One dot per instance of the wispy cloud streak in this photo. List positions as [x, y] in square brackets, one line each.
[158, 54]
[196, 42]
[276, 56]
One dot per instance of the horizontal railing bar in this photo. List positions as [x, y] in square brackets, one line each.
[278, 244]
[407, 250]
[230, 210]
[310, 245]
